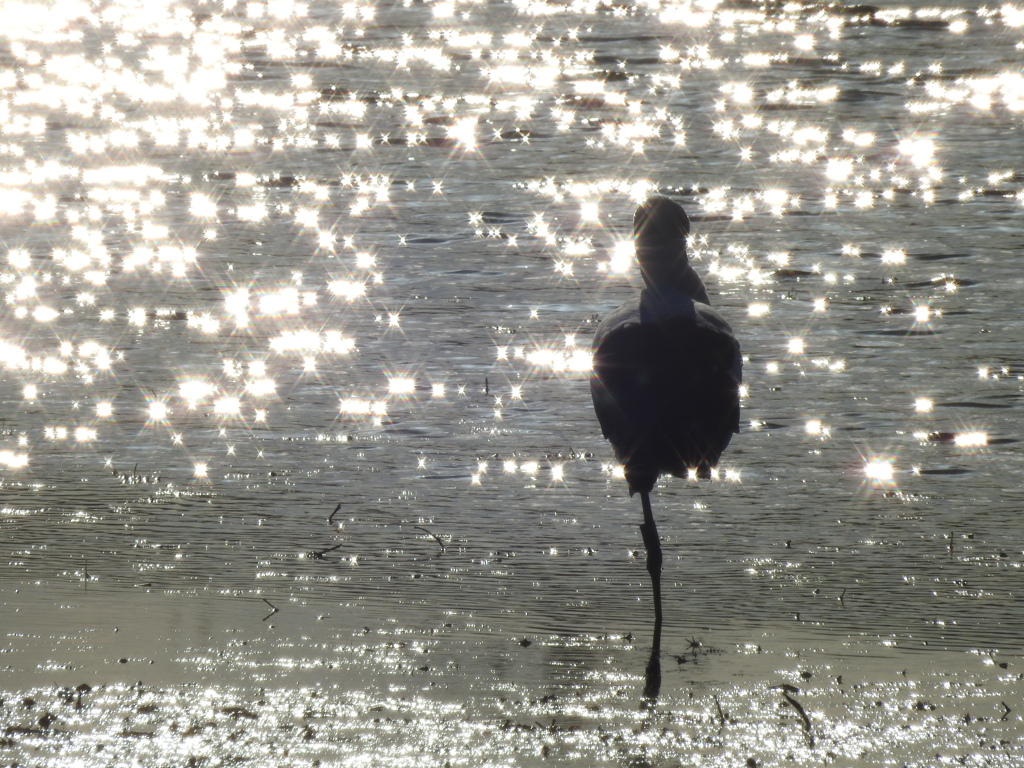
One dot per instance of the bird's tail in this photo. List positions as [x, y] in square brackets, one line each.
[641, 479]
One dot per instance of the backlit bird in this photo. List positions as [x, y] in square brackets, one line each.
[667, 371]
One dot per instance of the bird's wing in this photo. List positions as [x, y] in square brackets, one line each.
[624, 315]
[633, 348]
[708, 316]
[605, 406]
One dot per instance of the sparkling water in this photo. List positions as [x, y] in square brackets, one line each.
[297, 456]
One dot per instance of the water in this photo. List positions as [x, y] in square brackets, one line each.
[298, 461]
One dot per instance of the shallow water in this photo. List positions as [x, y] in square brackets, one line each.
[298, 304]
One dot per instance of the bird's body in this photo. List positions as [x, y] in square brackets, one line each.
[667, 367]
[667, 370]
[666, 385]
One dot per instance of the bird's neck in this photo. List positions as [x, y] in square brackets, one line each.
[668, 268]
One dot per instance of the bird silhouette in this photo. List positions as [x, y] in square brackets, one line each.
[667, 372]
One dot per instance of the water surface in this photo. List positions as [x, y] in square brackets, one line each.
[297, 456]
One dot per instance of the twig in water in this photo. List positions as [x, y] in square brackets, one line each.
[330, 519]
[273, 608]
[786, 689]
[841, 596]
[318, 554]
[434, 536]
[1007, 712]
[721, 714]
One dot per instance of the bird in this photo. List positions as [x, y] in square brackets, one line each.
[667, 372]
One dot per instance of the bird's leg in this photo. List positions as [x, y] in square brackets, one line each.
[652, 542]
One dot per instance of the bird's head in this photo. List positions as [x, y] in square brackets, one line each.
[660, 227]
[659, 222]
